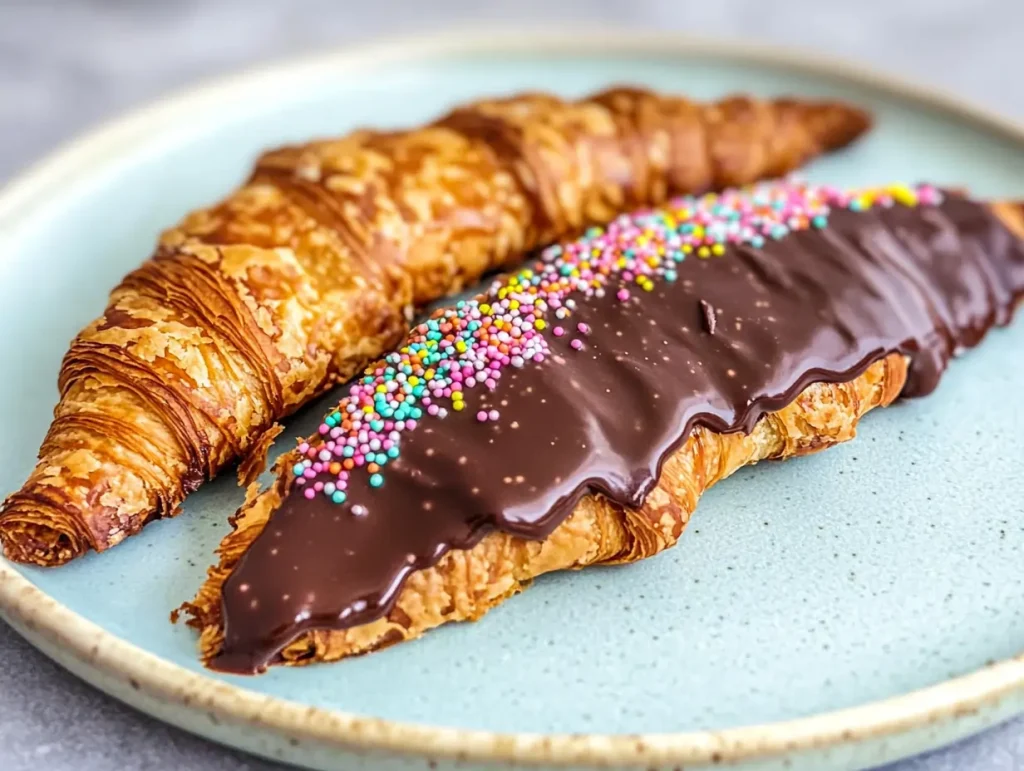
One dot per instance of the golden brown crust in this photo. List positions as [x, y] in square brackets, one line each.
[250, 308]
[466, 584]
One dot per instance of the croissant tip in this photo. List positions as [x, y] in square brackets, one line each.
[835, 125]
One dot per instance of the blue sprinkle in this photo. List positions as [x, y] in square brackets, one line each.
[392, 452]
[297, 469]
[671, 275]
[820, 221]
[338, 496]
[380, 459]
[376, 480]
[348, 451]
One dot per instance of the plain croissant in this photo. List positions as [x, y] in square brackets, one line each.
[249, 309]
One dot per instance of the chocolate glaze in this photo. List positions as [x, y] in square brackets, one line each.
[819, 305]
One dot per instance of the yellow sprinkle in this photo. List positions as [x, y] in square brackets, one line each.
[458, 406]
[687, 249]
[703, 252]
[457, 396]
[485, 309]
[368, 409]
[413, 380]
[513, 305]
[698, 231]
[718, 249]
[903, 194]
[429, 374]
[540, 324]
[381, 388]
[460, 346]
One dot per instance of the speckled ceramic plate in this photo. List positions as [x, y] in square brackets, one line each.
[831, 612]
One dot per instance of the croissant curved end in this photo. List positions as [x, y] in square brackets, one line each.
[37, 533]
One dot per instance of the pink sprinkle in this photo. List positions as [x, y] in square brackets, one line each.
[432, 409]
[622, 294]
[309, 473]
[558, 332]
[324, 428]
[583, 328]
[482, 416]
[410, 424]
[300, 481]
[310, 493]
[577, 344]
[318, 486]
[335, 432]
[493, 414]
[358, 459]
[304, 448]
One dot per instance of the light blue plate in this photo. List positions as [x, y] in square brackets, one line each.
[887, 565]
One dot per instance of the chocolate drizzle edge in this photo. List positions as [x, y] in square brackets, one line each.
[735, 337]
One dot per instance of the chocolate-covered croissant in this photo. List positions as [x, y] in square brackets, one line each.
[250, 308]
[574, 413]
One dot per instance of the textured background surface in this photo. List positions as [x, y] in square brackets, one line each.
[65, 66]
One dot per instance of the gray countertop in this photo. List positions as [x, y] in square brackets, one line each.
[64, 66]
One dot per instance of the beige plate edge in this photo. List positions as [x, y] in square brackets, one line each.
[144, 680]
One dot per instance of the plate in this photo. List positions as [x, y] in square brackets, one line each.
[831, 612]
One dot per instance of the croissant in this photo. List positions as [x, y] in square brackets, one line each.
[251, 308]
[643, 364]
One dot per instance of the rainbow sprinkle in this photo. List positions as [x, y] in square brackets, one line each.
[473, 343]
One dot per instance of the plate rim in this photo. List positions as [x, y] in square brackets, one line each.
[35, 614]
